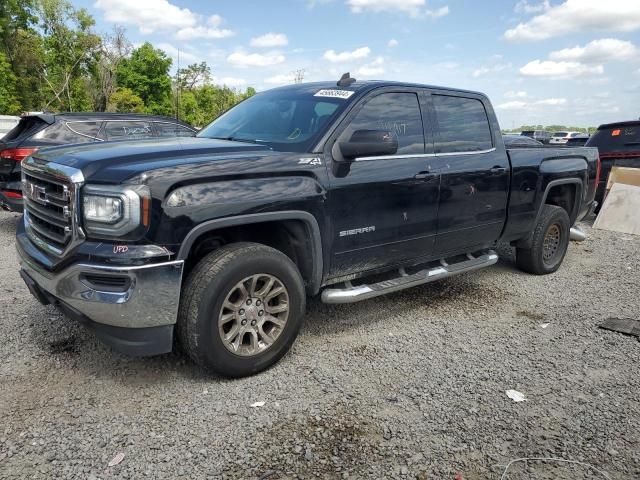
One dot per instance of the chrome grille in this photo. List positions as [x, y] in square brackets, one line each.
[50, 194]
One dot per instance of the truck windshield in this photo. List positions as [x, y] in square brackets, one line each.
[284, 120]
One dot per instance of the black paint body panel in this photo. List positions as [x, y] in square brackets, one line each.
[422, 207]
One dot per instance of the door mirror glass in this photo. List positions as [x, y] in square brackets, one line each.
[369, 143]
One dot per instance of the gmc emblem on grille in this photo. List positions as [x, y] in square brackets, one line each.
[36, 193]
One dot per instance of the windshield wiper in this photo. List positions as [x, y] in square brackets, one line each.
[231, 138]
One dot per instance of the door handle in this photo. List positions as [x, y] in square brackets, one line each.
[422, 175]
[498, 169]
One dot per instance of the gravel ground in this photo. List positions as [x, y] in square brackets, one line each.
[411, 385]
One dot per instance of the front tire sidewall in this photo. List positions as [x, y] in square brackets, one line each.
[214, 353]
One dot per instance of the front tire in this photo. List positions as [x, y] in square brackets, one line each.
[241, 309]
[549, 244]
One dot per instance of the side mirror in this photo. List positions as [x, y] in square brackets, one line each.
[369, 143]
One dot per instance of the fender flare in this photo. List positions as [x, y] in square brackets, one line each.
[308, 219]
[526, 242]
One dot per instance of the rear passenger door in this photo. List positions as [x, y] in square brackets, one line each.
[475, 175]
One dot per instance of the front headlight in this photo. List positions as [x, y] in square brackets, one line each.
[113, 211]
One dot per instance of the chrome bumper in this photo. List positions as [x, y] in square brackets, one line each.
[150, 300]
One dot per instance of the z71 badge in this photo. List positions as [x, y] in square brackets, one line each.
[310, 161]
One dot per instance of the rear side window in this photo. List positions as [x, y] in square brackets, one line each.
[622, 138]
[463, 125]
[398, 113]
[85, 131]
[173, 130]
[128, 130]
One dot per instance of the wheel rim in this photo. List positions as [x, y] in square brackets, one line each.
[253, 314]
[551, 246]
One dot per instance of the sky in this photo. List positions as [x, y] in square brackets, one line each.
[570, 62]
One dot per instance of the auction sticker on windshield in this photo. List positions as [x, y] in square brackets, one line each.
[334, 93]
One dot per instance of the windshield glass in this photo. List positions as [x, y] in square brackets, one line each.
[285, 120]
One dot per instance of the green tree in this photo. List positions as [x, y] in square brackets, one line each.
[146, 73]
[70, 51]
[9, 103]
[124, 100]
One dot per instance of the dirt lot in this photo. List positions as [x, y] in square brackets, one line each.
[406, 386]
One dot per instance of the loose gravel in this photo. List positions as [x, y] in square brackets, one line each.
[408, 386]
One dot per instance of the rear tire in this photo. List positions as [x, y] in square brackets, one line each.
[241, 309]
[549, 244]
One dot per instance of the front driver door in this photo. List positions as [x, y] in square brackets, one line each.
[383, 208]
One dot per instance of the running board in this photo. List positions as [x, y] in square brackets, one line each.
[350, 293]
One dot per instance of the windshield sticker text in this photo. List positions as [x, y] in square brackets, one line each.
[310, 161]
[334, 93]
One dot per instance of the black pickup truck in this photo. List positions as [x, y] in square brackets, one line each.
[347, 190]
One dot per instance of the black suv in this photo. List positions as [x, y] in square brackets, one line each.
[619, 145]
[35, 132]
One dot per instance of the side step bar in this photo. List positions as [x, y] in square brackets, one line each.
[351, 293]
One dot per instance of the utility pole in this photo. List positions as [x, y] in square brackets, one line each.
[178, 86]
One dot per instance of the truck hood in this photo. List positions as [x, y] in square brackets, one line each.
[114, 162]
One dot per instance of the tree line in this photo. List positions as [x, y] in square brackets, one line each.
[552, 128]
[52, 59]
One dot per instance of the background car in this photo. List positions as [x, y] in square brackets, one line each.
[539, 135]
[7, 122]
[34, 132]
[578, 140]
[560, 138]
[515, 141]
[619, 145]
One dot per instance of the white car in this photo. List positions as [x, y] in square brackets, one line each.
[563, 137]
[7, 122]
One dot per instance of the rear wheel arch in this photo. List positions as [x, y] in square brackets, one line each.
[294, 233]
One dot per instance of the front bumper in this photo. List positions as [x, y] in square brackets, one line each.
[136, 317]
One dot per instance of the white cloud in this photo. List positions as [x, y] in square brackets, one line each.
[358, 53]
[515, 94]
[597, 51]
[280, 79]
[230, 81]
[244, 59]
[552, 101]
[519, 104]
[440, 12]
[372, 69]
[559, 70]
[514, 105]
[270, 40]
[579, 16]
[162, 16]
[523, 6]
[392, 43]
[414, 8]
[479, 72]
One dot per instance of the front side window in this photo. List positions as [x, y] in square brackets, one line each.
[462, 125]
[398, 113]
[128, 130]
[286, 120]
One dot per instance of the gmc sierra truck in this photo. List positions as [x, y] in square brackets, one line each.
[347, 190]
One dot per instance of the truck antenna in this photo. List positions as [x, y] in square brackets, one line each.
[345, 80]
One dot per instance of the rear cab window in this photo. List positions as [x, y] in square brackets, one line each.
[85, 131]
[462, 125]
